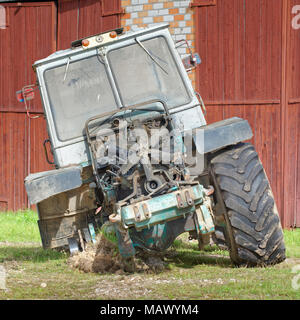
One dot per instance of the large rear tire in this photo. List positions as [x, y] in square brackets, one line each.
[253, 231]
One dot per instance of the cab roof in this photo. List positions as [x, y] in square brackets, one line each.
[79, 48]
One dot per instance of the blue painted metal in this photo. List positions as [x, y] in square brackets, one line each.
[206, 226]
[161, 236]
[162, 208]
[92, 232]
[125, 243]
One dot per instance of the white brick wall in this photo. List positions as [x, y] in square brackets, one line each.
[148, 13]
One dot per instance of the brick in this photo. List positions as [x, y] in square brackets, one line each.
[173, 11]
[134, 15]
[148, 7]
[163, 12]
[125, 3]
[186, 30]
[174, 24]
[138, 20]
[142, 14]
[129, 9]
[158, 19]
[137, 8]
[189, 23]
[179, 17]
[168, 4]
[187, 16]
[133, 2]
[158, 5]
[152, 13]
[177, 31]
[126, 16]
[168, 18]
[148, 20]
[184, 3]
[181, 24]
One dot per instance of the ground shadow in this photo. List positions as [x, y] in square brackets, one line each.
[189, 259]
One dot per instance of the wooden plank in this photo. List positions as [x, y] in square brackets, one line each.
[284, 152]
[244, 102]
[67, 26]
[291, 123]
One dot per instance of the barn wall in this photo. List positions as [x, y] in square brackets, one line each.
[34, 30]
[291, 120]
[28, 36]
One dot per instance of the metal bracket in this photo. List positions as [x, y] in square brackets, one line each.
[46, 152]
[86, 235]
[73, 246]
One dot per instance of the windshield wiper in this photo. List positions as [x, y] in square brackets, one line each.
[67, 68]
[150, 55]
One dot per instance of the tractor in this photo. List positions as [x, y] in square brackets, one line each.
[131, 150]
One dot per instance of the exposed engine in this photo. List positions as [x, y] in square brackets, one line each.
[141, 178]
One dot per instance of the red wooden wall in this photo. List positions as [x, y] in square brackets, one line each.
[251, 69]
[33, 31]
[291, 120]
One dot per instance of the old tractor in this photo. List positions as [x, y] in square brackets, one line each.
[132, 151]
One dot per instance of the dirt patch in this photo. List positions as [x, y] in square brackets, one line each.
[139, 286]
[104, 257]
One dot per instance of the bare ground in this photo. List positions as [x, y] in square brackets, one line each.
[104, 257]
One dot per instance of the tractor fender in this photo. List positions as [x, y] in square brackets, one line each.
[221, 134]
[43, 185]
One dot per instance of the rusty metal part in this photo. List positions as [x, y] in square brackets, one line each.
[114, 218]
[189, 200]
[137, 213]
[209, 191]
[81, 240]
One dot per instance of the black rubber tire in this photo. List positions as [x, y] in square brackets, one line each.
[253, 231]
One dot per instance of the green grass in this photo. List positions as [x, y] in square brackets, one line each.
[34, 273]
[19, 226]
[292, 240]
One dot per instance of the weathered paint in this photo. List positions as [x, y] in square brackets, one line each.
[36, 29]
[30, 31]
[162, 208]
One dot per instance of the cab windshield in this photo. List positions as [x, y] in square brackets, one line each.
[78, 91]
[146, 70]
[143, 71]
